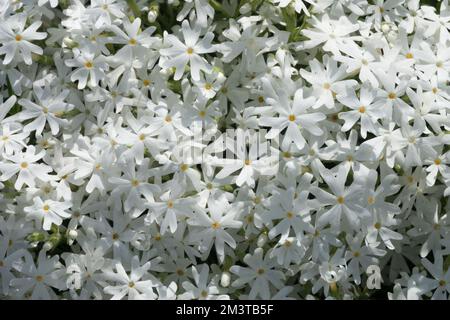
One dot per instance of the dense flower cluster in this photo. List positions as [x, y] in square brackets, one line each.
[280, 149]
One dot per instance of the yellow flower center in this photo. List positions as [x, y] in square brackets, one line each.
[334, 117]
[132, 42]
[340, 199]
[180, 272]
[39, 278]
[392, 95]
[115, 236]
[46, 207]
[370, 200]
[409, 55]
[146, 82]
[190, 50]
[260, 271]
[170, 204]
[208, 86]
[18, 37]
[168, 118]
[289, 214]
[184, 167]
[362, 109]
[291, 117]
[437, 161]
[326, 86]
[287, 154]
[377, 226]
[202, 113]
[215, 225]
[88, 64]
[134, 182]
[247, 162]
[24, 165]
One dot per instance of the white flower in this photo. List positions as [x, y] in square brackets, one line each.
[441, 281]
[221, 216]
[342, 199]
[24, 164]
[202, 290]
[294, 117]
[132, 286]
[16, 38]
[333, 32]
[179, 54]
[48, 109]
[38, 279]
[284, 149]
[90, 66]
[327, 82]
[259, 275]
[48, 211]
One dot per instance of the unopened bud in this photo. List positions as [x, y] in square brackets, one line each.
[392, 36]
[225, 279]
[47, 246]
[36, 237]
[70, 43]
[262, 240]
[246, 8]
[152, 15]
[72, 234]
[385, 27]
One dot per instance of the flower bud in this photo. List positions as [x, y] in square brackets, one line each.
[262, 240]
[246, 8]
[72, 234]
[385, 27]
[152, 15]
[225, 279]
[47, 246]
[392, 36]
[70, 43]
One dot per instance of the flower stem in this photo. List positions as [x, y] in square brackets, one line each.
[218, 7]
[134, 7]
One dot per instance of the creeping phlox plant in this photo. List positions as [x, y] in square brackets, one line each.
[279, 149]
